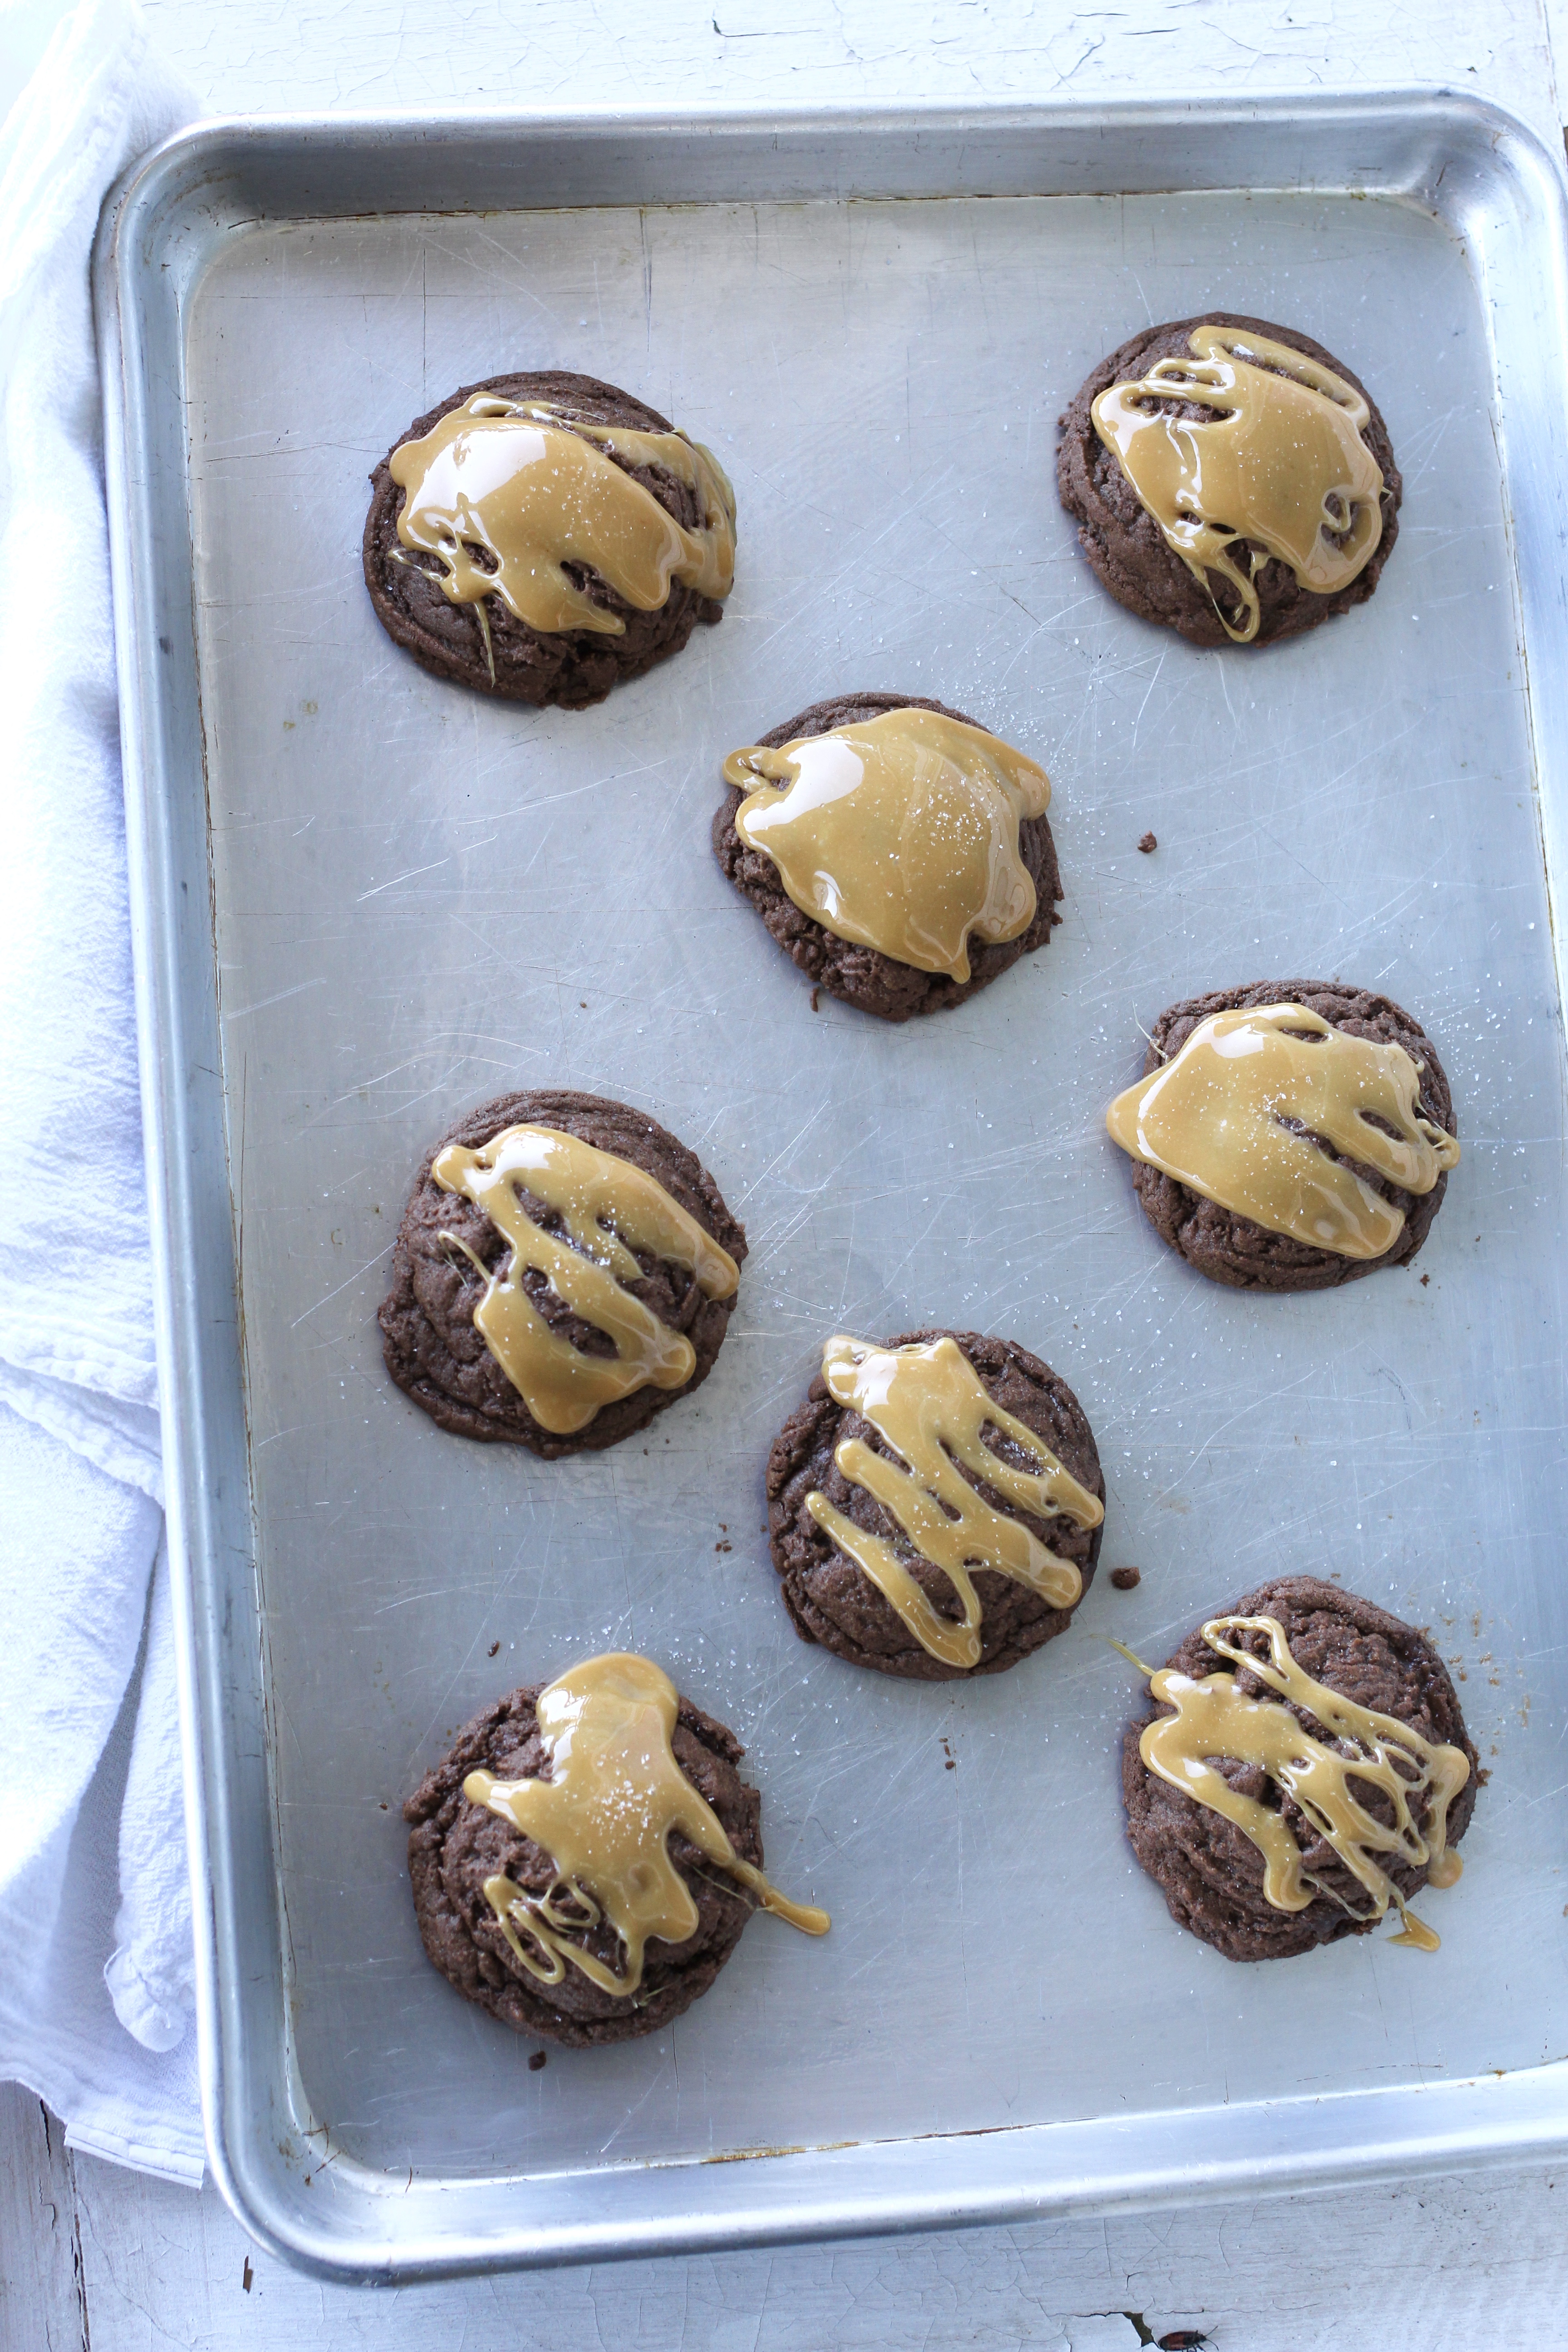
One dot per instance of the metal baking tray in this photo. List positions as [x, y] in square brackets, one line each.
[364, 900]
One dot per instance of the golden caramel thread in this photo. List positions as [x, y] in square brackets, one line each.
[1232, 1116]
[609, 1208]
[899, 832]
[1279, 468]
[534, 489]
[928, 1402]
[605, 1817]
[1213, 1719]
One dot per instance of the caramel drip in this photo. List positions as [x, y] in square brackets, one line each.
[1224, 1116]
[509, 479]
[1279, 466]
[928, 1404]
[899, 833]
[1213, 1719]
[609, 1208]
[605, 1818]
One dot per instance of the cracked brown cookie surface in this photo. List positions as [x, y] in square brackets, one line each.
[861, 975]
[572, 667]
[455, 1845]
[431, 1345]
[1230, 1248]
[1125, 545]
[1208, 1870]
[833, 1601]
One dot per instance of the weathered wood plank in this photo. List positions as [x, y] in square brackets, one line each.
[242, 55]
[1448, 2264]
[41, 2300]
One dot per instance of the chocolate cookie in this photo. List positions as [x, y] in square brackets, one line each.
[858, 974]
[455, 1845]
[1208, 1870]
[830, 1597]
[1125, 544]
[1230, 1248]
[572, 667]
[433, 1348]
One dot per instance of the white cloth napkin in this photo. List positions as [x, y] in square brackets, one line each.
[91, 1832]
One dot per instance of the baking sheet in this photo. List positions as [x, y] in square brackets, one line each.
[419, 899]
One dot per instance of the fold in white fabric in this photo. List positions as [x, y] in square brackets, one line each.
[91, 1827]
[76, 1553]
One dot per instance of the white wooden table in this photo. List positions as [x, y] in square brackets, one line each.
[90, 2255]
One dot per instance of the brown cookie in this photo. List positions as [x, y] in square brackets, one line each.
[1232, 1249]
[861, 975]
[1209, 1872]
[833, 1601]
[433, 1350]
[1125, 544]
[572, 668]
[455, 1845]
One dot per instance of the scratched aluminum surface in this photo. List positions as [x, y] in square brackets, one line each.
[424, 899]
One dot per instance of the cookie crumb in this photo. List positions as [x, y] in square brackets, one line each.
[493, 1648]
[536, 2058]
[1124, 1579]
[815, 995]
[724, 1547]
[1148, 843]
[1425, 1280]
[951, 1764]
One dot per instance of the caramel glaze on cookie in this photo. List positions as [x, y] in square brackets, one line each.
[1232, 1249]
[448, 1248]
[487, 647]
[1125, 545]
[861, 975]
[834, 1602]
[457, 1846]
[1210, 1871]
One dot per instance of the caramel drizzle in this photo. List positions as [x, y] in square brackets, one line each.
[899, 833]
[605, 1818]
[1279, 466]
[928, 1402]
[609, 1208]
[508, 478]
[1211, 1718]
[1232, 1116]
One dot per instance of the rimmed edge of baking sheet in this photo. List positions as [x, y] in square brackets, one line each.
[1496, 186]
